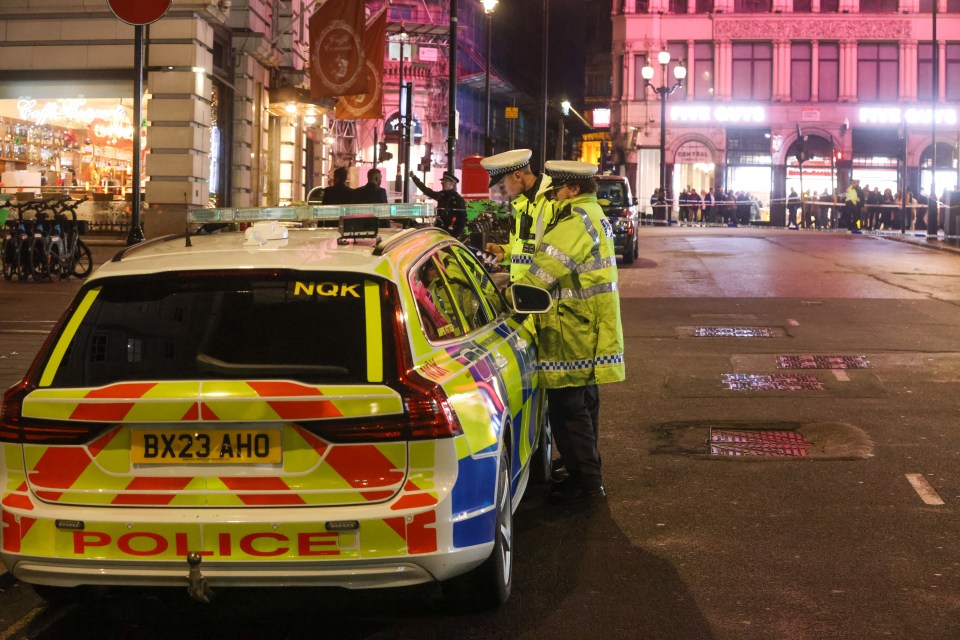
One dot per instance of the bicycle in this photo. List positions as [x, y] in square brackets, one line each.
[76, 258]
[46, 252]
[16, 247]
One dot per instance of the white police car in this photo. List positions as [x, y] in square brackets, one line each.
[289, 405]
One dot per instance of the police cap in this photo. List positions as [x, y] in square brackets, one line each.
[501, 164]
[447, 175]
[561, 171]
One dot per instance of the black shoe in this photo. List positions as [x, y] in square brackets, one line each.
[566, 494]
[559, 474]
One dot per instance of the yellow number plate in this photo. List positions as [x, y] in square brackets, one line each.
[232, 446]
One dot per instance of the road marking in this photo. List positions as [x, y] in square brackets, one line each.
[840, 375]
[20, 624]
[927, 493]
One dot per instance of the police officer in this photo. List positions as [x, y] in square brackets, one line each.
[531, 208]
[451, 209]
[580, 338]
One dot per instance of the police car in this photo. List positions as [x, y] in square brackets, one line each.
[286, 405]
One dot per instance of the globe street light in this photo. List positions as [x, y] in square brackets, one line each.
[488, 7]
[680, 72]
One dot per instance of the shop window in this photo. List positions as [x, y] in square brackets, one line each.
[678, 6]
[751, 6]
[953, 71]
[878, 6]
[828, 84]
[752, 70]
[801, 67]
[703, 71]
[802, 6]
[877, 72]
[704, 6]
[925, 70]
[829, 6]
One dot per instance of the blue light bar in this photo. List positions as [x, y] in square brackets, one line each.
[398, 211]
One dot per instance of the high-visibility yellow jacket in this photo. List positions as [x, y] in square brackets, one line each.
[530, 219]
[580, 338]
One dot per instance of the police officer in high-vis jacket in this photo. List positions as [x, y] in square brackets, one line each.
[531, 208]
[580, 338]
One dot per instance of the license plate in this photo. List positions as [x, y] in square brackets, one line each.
[228, 446]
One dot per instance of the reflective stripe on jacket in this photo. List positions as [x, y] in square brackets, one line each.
[580, 338]
[518, 253]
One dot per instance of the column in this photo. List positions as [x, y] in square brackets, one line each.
[723, 70]
[691, 56]
[815, 71]
[179, 112]
[781, 52]
[848, 71]
[908, 71]
[942, 65]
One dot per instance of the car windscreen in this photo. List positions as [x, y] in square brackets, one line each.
[612, 191]
[320, 327]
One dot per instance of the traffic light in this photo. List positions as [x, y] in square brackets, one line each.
[384, 155]
[427, 158]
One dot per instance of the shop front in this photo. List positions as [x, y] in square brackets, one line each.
[749, 174]
[947, 170]
[694, 167]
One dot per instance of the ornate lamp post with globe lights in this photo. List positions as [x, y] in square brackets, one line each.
[680, 72]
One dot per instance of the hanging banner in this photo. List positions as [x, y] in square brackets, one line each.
[337, 61]
[369, 105]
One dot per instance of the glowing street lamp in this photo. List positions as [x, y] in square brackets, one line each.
[679, 72]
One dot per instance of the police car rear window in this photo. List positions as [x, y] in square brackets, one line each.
[311, 327]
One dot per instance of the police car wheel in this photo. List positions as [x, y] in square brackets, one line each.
[541, 464]
[489, 585]
[628, 254]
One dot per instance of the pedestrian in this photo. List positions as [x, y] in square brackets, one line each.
[580, 338]
[793, 206]
[372, 192]
[531, 208]
[338, 192]
[693, 206]
[451, 209]
[849, 215]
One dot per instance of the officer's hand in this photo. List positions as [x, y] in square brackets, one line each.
[495, 249]
[412, 174]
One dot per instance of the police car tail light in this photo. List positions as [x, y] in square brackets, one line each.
[428, 412]
[15, 428]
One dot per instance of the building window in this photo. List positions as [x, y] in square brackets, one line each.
[751, 6]
[752, 70]
[703, 71]
[926, 6]
[678, 56]
[704, 6]
[802, 6]
[878, 6]
[641, 6]
[877, 72]
[621, 76]
[678, 6]
[953, 6]
[639, 84]
[801, 68]
[924, 70]
[828, 87]
[829, 6]
[953, 71]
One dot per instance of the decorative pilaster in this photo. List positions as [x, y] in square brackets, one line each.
[689, 62]
[815, 71]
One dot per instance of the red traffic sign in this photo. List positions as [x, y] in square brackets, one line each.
[138, 12]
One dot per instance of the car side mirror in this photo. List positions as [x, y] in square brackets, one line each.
[527, 298]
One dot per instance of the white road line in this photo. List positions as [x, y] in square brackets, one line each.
[840, 375]
[927, 493]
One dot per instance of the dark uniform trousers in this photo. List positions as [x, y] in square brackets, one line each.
[575, 420]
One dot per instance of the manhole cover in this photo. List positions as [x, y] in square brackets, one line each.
[733, 332]
[765, 444]
[771, 382]
[822, 362]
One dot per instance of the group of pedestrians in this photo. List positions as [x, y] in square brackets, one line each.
[858, 209]
[707, 207]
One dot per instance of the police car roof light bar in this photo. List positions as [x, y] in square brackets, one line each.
[396, 211]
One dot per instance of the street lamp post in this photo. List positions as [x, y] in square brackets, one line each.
[680, 72]
[488, 7]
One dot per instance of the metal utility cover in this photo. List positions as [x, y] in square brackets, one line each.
[733, 332]
[765, 444]
[771, 382]
[822, 362]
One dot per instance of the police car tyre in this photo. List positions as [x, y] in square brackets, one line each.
[489, 585]
[541, 463]
[628, 254]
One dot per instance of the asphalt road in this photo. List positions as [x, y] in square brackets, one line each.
[846, 542]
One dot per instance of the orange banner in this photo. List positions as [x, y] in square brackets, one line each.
[337, 60]
[369, 106]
